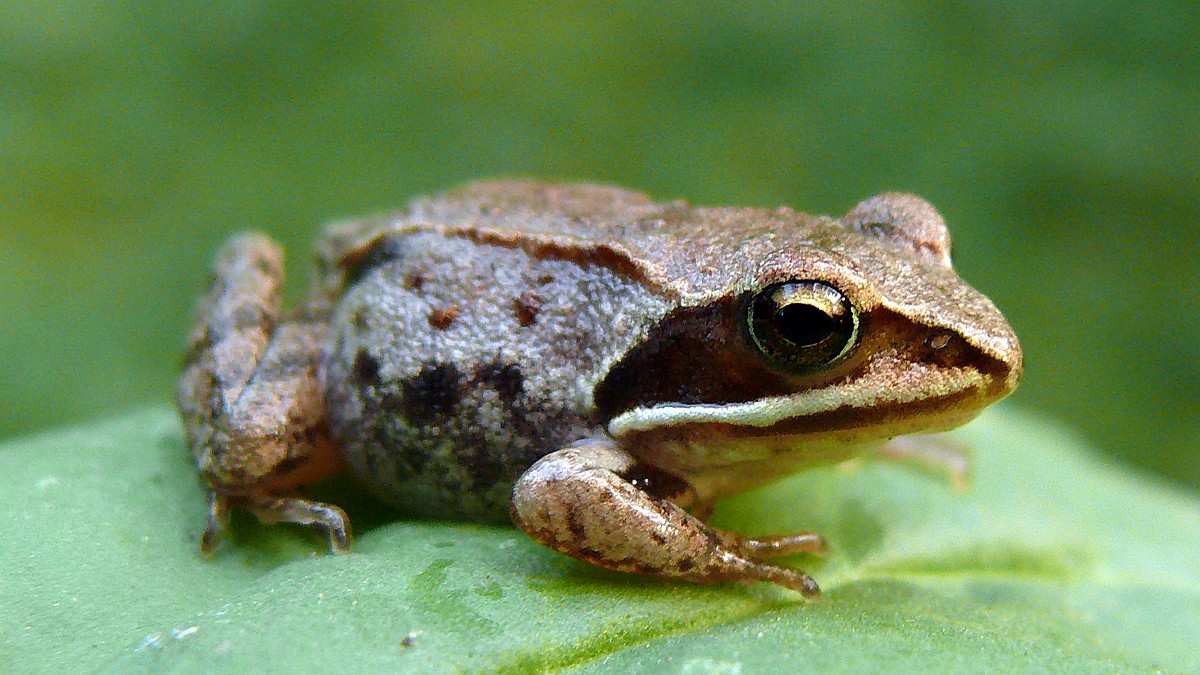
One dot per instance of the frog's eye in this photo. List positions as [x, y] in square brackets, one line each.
[803, 325]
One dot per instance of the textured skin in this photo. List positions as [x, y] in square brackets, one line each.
[443, 385]
[580, 358]
[700, 254]
[441, 416]
[578, 501]
[227, 343]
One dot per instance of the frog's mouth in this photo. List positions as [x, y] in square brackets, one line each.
[919, 399]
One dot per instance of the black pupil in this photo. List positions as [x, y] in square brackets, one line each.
[803, 325]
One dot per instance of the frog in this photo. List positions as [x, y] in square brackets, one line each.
[591, 365]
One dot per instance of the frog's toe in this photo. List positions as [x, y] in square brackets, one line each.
[796, 580]
[795, 543]
[304, 512]
[218, 521]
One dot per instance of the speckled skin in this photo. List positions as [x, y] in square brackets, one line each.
[580, 358]
[441, 417]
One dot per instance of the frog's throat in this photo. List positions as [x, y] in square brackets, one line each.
[963, 395]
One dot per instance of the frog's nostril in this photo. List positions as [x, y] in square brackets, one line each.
[944, 350]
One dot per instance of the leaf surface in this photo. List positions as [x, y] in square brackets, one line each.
[1054, 561]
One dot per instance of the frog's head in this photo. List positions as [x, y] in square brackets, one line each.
[851, 330]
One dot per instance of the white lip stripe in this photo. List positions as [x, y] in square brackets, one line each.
[769, 411]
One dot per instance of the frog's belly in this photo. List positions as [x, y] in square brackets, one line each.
[441, 388]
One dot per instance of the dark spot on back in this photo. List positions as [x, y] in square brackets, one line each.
[432, 394]
[443, 317]
[386, 251]
[359, 320]
[365, 369]
[506, 378]
[413, 281]
[527, 307]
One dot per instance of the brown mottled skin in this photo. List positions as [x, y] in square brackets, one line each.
[586, 361]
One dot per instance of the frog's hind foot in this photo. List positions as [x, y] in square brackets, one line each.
[304, 512]
[270, 510]
[594, 502]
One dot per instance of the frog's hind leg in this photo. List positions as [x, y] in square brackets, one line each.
[230, 334]
[250, 398]
[594, 502]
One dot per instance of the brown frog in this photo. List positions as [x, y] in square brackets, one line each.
[596, 366]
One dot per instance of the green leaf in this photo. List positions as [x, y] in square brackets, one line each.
[1054, 561]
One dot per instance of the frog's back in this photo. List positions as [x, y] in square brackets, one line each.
[676, 250]
[490, 326]
[462, 352]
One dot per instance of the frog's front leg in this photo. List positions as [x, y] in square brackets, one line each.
[595, 502]
[938, 454]
[251, 401]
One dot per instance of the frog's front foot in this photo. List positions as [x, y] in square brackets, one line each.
[937, 454]
[594, 502]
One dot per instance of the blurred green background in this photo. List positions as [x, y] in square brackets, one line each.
[1059, 139]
